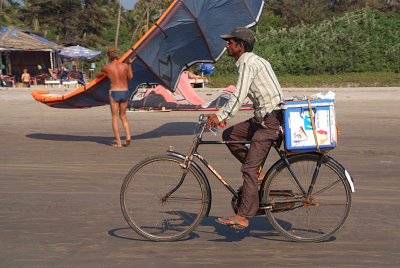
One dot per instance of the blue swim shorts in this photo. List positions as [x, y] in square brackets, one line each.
[120, 95]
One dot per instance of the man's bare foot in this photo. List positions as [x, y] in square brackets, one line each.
[235, 222]
[117, 145]
[127, 143]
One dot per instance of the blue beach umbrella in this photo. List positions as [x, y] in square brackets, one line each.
[79, 52]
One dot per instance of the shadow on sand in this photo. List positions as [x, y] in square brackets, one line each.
[168, 129]
[259, 228]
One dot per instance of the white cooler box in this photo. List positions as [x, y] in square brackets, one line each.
[299, 134]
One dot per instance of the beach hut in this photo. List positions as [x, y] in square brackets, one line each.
[20, 49]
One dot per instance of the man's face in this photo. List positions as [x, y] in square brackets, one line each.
[233, 48]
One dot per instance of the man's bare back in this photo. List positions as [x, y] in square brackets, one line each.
[118, 73]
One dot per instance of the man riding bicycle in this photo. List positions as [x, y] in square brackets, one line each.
[256, 80]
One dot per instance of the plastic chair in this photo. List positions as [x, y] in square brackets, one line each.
[32, 81]
[11, 79]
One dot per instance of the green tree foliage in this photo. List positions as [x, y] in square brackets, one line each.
[296, 36]
[83, 22]
[57, 17]
[9, 13]
[301, 12]
[94, 17]
[145, 14]
[360, 41]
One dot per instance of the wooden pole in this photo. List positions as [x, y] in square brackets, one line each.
[1, 9]
[147, 21]
[51, 60]
[118, 23]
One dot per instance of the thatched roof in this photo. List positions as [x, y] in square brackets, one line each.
[12, 38]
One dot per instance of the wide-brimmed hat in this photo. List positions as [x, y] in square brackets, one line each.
[241, 33]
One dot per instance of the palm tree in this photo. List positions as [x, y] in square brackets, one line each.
[8, 12]
[118, 22]
[151, 10]
[96, 17]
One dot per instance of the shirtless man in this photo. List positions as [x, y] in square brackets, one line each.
[118, 73]
[25, 78]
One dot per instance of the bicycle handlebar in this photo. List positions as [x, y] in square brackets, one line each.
[203, 120]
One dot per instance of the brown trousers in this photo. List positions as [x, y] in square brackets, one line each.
[261, 133]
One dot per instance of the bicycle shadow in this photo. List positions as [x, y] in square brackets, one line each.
[259, 227]
[114, 233]
[168, 129]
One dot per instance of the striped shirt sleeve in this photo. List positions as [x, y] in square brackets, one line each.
[245, 77]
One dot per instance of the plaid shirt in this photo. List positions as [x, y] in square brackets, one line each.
[256, 80]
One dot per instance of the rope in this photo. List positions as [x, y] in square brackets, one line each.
[312, 123]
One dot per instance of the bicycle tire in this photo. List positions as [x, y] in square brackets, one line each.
[142, 201]
[307, 220]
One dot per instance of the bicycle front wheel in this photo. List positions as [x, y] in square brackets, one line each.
[301, 217]
[161, 201]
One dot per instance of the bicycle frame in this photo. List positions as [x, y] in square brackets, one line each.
[291, 183]
[198, 140]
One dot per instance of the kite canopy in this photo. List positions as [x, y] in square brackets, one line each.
[183, 99]
[188, 32]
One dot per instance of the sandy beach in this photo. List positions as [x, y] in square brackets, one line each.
[60, 183]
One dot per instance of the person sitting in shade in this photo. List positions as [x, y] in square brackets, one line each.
[3, 82]
[74, 74]
[192, 75]
[55, 74]
[26, 78]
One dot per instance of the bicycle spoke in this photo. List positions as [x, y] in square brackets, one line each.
[326, 188]
[159, 203]
[307, 218]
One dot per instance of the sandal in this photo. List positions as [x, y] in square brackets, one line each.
[234, 225]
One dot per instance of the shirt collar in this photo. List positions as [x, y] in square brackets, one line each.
[243, 58]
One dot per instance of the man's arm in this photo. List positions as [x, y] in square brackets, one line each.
[232, 106]
[130, 74]
[101, 73]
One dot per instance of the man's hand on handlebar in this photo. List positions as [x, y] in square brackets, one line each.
[212, 120]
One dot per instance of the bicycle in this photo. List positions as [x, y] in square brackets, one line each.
[306, 196]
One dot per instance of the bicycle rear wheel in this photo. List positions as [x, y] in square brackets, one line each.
[307, 219]
[161, 203]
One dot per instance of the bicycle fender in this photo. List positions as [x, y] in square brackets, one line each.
[200, 171]
[348, 176]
